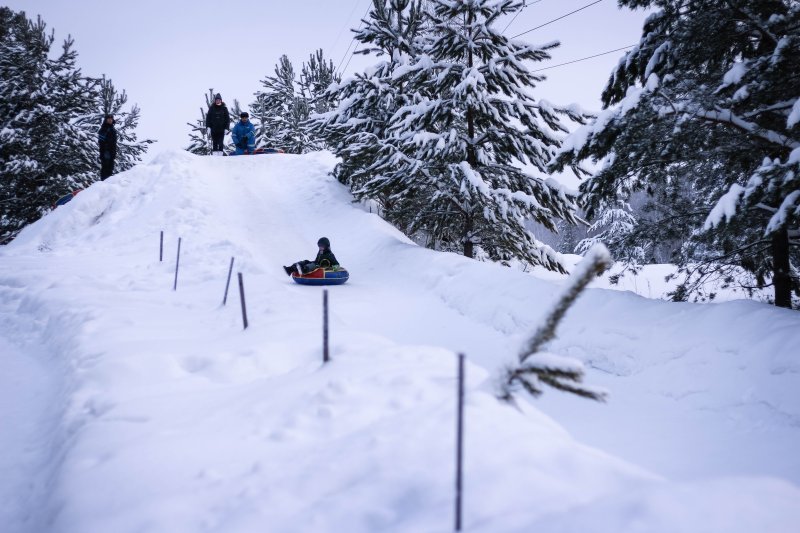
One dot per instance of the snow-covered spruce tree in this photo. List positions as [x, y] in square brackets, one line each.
[356, 130]
[198, 136]
[263, 120]
[463, 139]
[703, 116]
[43, 149]
[315, 78]
[235, 111]
[129, 149]
[284, 111]
[199, 142]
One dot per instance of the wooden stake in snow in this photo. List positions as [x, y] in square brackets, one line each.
[536, 369]
[228, 283]
[177, 263]
[325, 352]
[241, 298]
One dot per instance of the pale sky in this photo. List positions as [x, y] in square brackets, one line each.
[166, 54]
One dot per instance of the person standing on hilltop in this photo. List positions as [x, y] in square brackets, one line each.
[107, 142]
[218, 121]
[244, 135]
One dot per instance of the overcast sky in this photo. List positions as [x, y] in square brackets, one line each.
[166, 54]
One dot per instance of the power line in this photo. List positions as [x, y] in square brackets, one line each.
[559, 18]
[348, 61]
[345, 54]
[341, 30]
[352, 41]
[517, 14]
[523, 33]
[585, 58]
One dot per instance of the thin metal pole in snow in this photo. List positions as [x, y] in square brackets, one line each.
[228, 283]
[459, 440]
[325, 353]
[177, 263]
[241, 298]
[161, 247]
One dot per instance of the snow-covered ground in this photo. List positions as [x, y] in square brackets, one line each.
[126, 406]
[655, 281]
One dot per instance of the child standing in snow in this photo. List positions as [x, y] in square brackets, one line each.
[325, 259]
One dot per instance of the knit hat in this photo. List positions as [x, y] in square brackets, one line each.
[243, 114]
[324, 242]
[217, 96]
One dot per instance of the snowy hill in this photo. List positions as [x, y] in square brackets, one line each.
[126, 406]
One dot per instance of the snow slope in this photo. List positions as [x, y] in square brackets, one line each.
[127, 406]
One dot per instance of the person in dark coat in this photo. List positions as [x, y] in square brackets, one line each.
[107, 140]
[218, 121]
[325, 259]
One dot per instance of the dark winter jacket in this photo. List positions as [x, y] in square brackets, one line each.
[243, 135]
[325, 258]
[218, 118]
[107, 141]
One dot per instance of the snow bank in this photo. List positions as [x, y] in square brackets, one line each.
[169, 417]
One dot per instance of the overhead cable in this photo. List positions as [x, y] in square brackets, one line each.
[585, 58]
[556, 19]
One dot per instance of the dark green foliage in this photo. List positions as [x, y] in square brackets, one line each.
[49, 118]
[315, 78]
[454, 172]
[437, 131]
[698, 120]
[199, 140]
[129, 149]
[357, 130]
[282, 111]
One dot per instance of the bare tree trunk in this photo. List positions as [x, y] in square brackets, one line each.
[469, 249]
[780, 268]
[472, 158]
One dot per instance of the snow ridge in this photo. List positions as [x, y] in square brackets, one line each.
[172, 418]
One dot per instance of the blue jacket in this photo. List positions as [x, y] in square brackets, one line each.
[244, 133]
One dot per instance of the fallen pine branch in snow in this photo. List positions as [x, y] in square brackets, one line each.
[537, 368]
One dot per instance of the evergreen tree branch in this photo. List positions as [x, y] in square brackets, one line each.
[536, 368]
[728, 117]
[596, 261]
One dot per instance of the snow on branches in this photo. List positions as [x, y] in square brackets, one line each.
[537, 368]
[702, 118]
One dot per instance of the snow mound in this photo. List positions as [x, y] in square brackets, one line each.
[159, 413]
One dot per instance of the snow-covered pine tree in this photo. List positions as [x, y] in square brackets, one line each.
[472, 126]
[702, 115]
[198, 136]
[129, 149]
[283, 111]
[72, 147]
[199, 141]
[42, 100]
[262, 117]
[235, 110]
[315, 78]
[356, 130]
